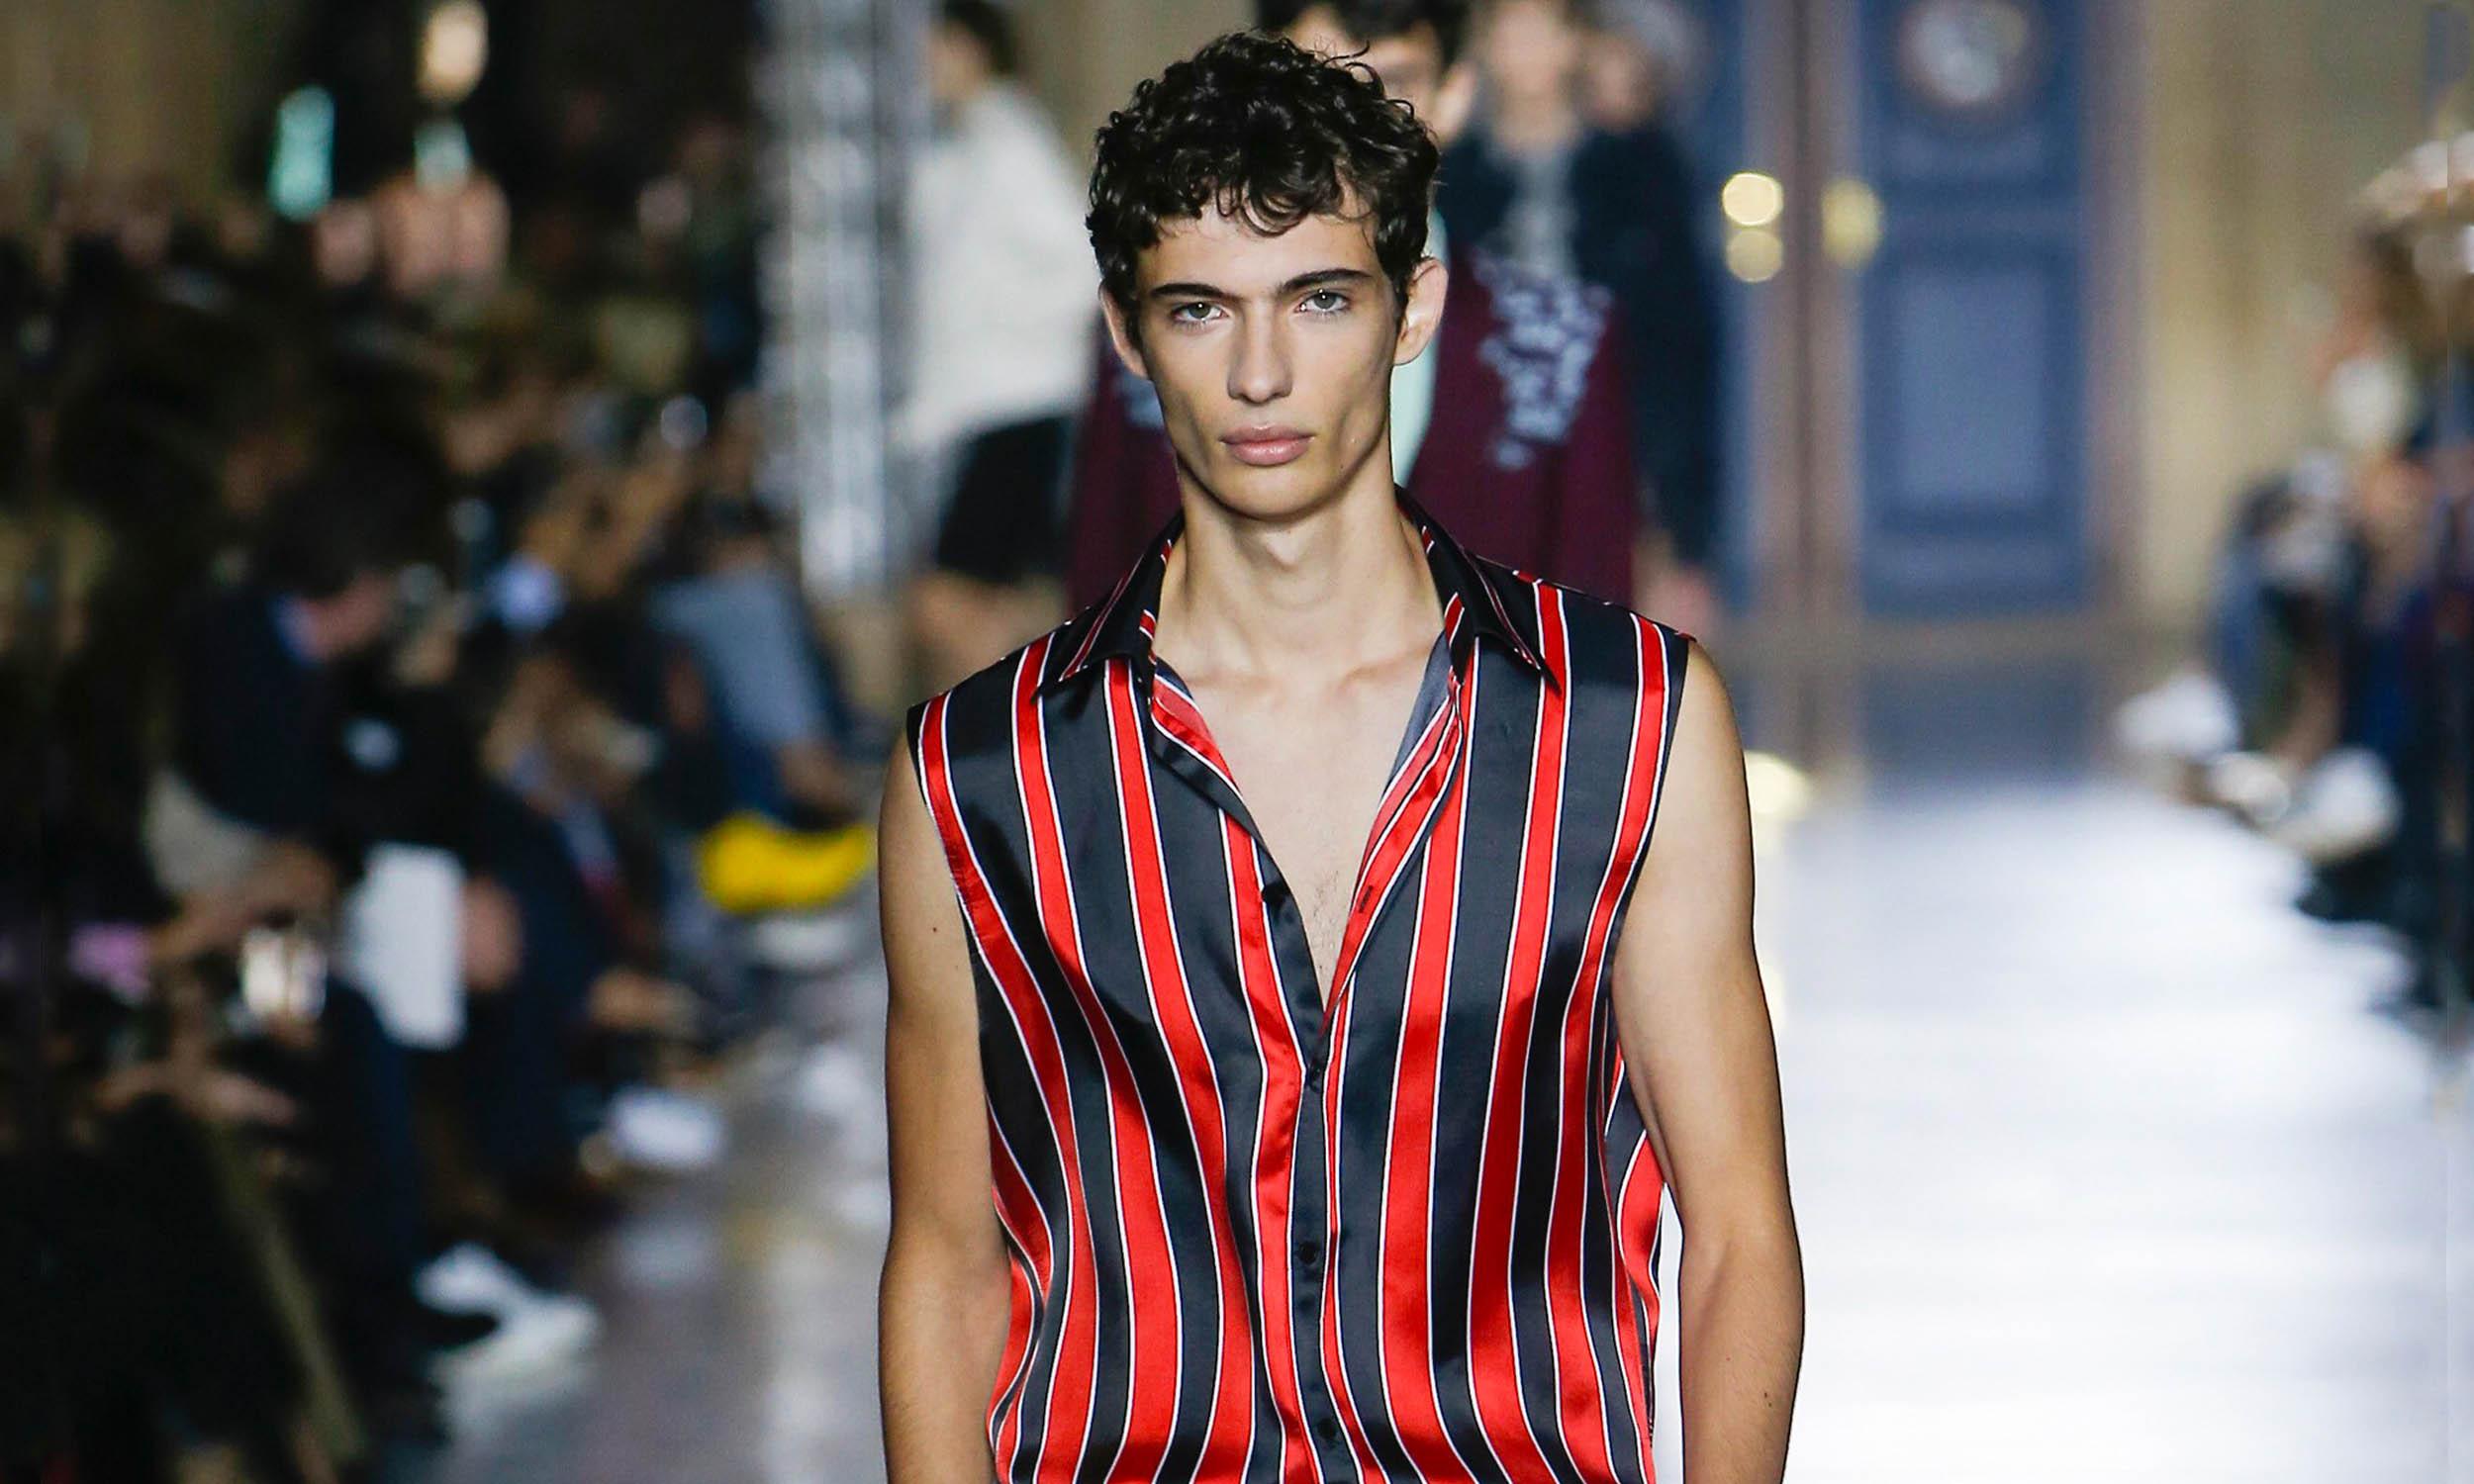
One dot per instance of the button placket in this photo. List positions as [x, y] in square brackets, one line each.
[1310, 1275]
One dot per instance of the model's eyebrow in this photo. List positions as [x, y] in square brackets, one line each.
[1319, 278]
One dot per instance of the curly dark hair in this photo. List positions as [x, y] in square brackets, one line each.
[1376, 20]
[1265, 132]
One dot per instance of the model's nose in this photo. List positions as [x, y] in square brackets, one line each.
[1259, 371]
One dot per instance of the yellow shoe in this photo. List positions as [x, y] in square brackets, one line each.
[749, 864]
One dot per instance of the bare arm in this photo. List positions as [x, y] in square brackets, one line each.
[1695, 1033]
[941, 1309]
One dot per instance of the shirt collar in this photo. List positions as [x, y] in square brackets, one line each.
[1122, 625]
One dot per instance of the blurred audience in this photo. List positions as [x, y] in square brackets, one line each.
[1002, 283]
[2313, 710]
[414, 711]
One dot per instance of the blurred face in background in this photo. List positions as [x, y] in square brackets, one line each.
[144, 229]
[1273, 354]
[344, 243]
[1409, 66]
[957, 65]
[353, 618]
[1529, 50]
[1618, 80]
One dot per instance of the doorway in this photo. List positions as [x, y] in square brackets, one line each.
[1901, 217]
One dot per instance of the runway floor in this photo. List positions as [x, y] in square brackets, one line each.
[2108, 1165]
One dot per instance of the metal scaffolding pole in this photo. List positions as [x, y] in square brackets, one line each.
[839, 86]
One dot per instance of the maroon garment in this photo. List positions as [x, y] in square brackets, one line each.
[1527, 458]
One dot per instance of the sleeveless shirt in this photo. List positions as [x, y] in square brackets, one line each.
[1408, 1235]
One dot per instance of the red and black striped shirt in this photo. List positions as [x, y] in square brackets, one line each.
[1412, 1234]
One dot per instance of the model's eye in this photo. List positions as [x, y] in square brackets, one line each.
[1326, 301]
[1191, 313]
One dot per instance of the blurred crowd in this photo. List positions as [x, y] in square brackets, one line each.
[411, 706]
[2326, 706]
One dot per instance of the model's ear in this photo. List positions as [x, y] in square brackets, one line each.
[1121, 334]
[1455, 98]
[1423, 314]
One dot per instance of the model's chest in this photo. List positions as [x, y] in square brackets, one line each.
[1312, 774]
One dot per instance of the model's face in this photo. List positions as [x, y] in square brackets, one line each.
[1409, 66]
[1273, 355]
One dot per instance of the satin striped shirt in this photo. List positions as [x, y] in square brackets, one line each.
[1408, 1235]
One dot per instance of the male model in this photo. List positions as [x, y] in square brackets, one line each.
[1311, 964]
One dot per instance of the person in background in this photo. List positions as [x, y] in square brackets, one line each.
[1002, 316]
[1509, 426]
[1638, 54]
[1537, 183]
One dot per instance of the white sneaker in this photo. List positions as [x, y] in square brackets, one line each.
[672, 1133]
[2190, 718]
[552, 1332]
[536, 1327]
[2343, 806]
[2251, 786]
[470, 1276]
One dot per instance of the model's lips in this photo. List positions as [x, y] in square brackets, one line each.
[1265, 446]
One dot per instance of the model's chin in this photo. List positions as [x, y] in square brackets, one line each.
[1274, 492]
[1302, 474]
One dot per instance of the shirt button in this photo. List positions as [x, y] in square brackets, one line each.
[1310, 1254]
[1327, 1429]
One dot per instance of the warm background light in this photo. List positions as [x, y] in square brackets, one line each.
[1752, 199]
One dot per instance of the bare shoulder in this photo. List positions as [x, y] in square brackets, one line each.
[1706, 741]
[1704, 821]
[1692, 902]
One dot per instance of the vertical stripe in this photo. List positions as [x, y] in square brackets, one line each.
[1104, 1374]
[1152, 1282]
[1495, 1379]
[1225, 1433]
[1409, 1197]
[1275, 1043]
[1034, 1279]
[1581, 1386]
[1659, 653]
[1402, 818]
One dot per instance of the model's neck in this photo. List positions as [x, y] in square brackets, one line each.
[1322, 595]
